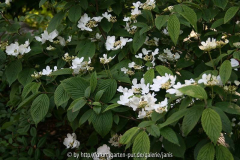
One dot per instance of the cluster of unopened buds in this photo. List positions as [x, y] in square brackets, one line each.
[68, 58]
[36, 75]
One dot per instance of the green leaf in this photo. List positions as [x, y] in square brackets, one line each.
[230, 14]
[60, 95]
[176, 150]
[160, 21]
[141, 145]
[93, 81]
[217, 23]
[55, 21]
[222, 153]
[111, 106]
[185, 103]
[138, 41]
[42, 2]
[228, 107]
[97, 109]
[12, 71]
[225, 71]
[194, 91]
[33, 132]
[190, 15]
[173, 28]
[42, 141]
[102, 123]
[170, 135]
[174, 117]
[77, 104]
[14, 27]
[221, 3]
[39, 108]
[85, 116]
[110, 87]
[86, 49]
[191, 119]
[211, 123]
[72, 115]
[148, 76]
[75, 13]
[153, 130]
[128, 135]
[31, 87]
[49, 152]
[226, 123]
[99, 95]
[24, 77]
[87, 92]
[207, 152]
[2, 57]
[28, 100]
[63, 71]
[162, 70]
[75, 86]
[106, 26]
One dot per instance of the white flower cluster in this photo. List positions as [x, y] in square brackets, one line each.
[114, 140]
[112, 44]
[210, 80]
[45, 36]
[105, 60]
[130, 66]
[109, 17]
[152, 42]
[139, 98]
[148, 57]
[129, 25]
[71, 141]
[210, 44]
[86, 23]
[103, 153]
[81, 66]
[15, 49]
[44, 72]
[167, 55]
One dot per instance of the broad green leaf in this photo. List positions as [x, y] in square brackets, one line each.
[85, 116]
[211, 123]
[102, 123]
[39, 108]
[174, 117]
[111, 106]
[49, 152]
[221, 3]
[153, 130]
[230, 13]
[226, 123]
[176, 150]
[75, 13]
[207, 152]
[128, 135]
[161, 20]
[194, 91]
[228, 107]
[191, 119]
[77, 104]
[190, 15]
[28, 100]
[12, 71]
[223, 153]
[31, 87]
[217, 23]
[24, 77]
[2, 57]
[138, 41]
[141, 144]
[60, 96]
[162, 70]
[97, 109]
[225, 71]
[173, 28]
[148, 76]
[42, 2]
[106, 26]
[87, 92]
[185, 103]
[75, 86]
[110, 87]
[13, 27]
[72, 115]
[63, 71]
[170, 135]
[55, 21]
[86, 49]
[93, 81]
[98, 95]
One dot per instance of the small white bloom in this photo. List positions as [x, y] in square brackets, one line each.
[103, 152]
[71, 141]
[210, 44]
[47, 71]
[47, 37]
[234, 63]
[87, 23]
[49, 48]
[8, 2]
[111, 44]
[114, 140]
[105, 60]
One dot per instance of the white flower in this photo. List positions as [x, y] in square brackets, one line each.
[97, 37]
[135, 12]
[111, 44]
[237, 83]
[175, 90]
[15, 49]
[210, 80]
[49, 48]
[234, 63]
[168, 56]
[162, 106]
[103, 152]
[149, 5]
[8, 2]
[47, 71]
[164, 82]
[61, 40]
[107, 16]
[210, 44]
[105, 60]
[47, 37]
[87, 23]
[114, 140]
[71, 141]
[124, 69]
[80, 66]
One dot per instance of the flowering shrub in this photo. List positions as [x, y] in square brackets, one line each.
[115, 76]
